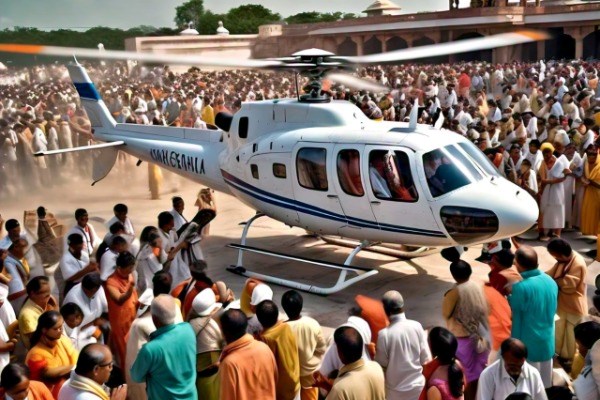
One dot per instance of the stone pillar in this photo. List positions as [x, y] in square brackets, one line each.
[383, 39]
[500, 55]
[579, 46]
[541, 50]
[360, 41]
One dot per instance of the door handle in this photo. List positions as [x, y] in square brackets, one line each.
[332, 196]
[375, 202]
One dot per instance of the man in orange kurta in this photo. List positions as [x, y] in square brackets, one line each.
[282, 342]
[499, 318]
[122, 300]
[569, 273]
[247, 368]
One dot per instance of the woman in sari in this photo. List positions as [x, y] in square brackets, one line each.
[52, 356]
[590, 213]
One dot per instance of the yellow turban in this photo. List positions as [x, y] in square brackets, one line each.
[547, 146]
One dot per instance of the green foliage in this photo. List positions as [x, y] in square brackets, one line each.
[314, 16]
[190, 11]
[209, 23]
[247, 18]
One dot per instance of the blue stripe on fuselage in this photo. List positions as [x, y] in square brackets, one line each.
[87, 90]
[319, 212]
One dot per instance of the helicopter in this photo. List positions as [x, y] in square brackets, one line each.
[320, 164]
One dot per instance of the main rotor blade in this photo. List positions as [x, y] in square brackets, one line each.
[170, 59]
[442, 49]
[357, 83]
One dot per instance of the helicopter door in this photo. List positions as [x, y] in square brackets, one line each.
[397, 201]
[350, 186]
[318, 205]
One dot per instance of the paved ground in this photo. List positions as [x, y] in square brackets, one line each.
[423, 281]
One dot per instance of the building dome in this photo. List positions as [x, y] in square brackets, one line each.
[190, 31]
[382, 7]
[221, 30]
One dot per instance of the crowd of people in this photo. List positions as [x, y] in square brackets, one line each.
[136, 315]
[136, 312]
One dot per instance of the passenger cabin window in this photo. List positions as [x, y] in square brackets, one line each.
[390, 175]
[254, 170]
[243, 128]
[448, 169]
[348, 168]
[311, 168]
[279, 171]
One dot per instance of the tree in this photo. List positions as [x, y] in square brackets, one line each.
[314, 17]
[190, 11]
[247, 18]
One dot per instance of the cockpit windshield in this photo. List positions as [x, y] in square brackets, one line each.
[448, 169]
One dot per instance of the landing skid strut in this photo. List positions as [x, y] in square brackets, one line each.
[342, 283]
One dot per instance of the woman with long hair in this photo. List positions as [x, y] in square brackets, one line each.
[52, 355]
[445, 378]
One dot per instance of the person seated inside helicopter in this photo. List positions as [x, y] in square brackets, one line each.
[386, 178]
[348, 164]
[447, 177]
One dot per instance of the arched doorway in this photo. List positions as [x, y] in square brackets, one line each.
[560, 47]
[347, 48]
[372, 46]
[591, 45]
[396, 43]
[478, 55]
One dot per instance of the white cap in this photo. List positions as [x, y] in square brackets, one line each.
[261, 293]
[205, 303]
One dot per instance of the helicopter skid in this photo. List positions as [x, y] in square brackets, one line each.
[389, 249]
[341, 283]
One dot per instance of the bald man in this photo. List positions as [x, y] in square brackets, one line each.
[533, 303]
[167, 363]
[93, 369]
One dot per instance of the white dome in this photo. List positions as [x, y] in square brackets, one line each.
[190, 31]
[221, 30]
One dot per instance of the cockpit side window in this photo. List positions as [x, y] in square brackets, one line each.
[448, 169]
[311, 168]
[391, 177]
[348, 169]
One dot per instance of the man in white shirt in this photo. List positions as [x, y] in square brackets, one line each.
[74, 265]
[177, 212]
[90, 297]
[511, 373]
[402, 351]
[90, 239]
[108, 262]
[121, 211]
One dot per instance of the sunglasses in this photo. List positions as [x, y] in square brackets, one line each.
[591, 154]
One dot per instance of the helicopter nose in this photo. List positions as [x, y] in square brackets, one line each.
[517, 213]
[488, 211]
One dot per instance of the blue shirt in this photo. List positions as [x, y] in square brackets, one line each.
[167, 363]
[533, 302]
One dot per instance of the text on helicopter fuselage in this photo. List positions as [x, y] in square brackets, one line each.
[178, 160]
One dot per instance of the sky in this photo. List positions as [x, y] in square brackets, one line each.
[53, 14]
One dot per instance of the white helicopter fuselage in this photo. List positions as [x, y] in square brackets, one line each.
[327, 168]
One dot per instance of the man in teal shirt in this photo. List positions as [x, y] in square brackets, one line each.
[533, 302]
[167, 363]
